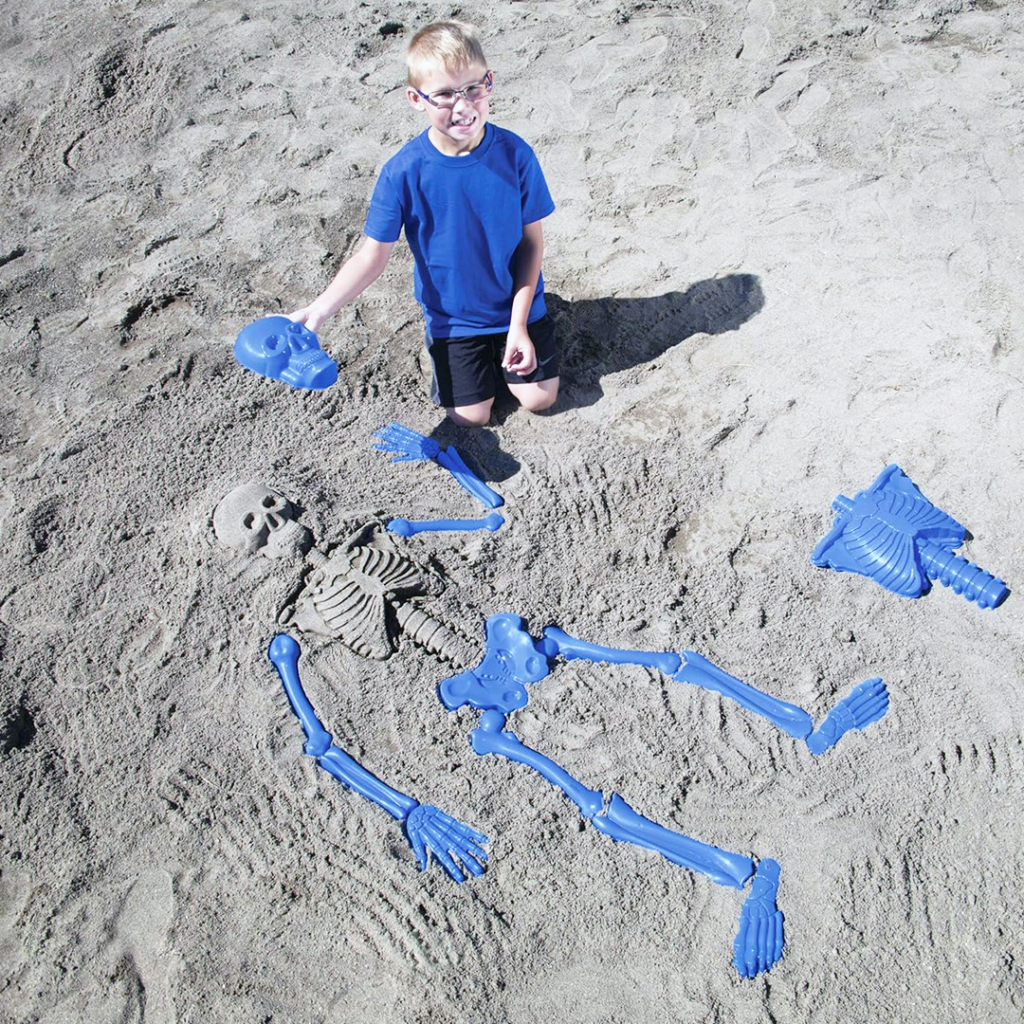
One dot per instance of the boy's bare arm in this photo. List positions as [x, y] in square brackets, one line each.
[356, 274]
[520, 355]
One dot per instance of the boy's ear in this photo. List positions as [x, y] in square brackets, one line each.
[414, 97]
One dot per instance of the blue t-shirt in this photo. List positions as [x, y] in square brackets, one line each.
[463, 218]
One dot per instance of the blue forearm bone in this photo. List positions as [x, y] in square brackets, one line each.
[408, 446]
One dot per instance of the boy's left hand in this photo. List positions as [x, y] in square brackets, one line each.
[520, 356]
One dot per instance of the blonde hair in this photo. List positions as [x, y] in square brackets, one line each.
[444, 44]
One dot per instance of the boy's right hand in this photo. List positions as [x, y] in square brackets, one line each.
[312, 316]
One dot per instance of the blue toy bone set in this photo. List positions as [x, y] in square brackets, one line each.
[513, 661]
[889, 532]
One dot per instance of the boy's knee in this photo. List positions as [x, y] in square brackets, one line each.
[537, 397]
[477, 415]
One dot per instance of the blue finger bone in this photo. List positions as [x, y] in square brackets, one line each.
[281, 349]
[512, 661]
[407, 445]
[760, 939]
[408, 527]
[894, 535]
[866, 703]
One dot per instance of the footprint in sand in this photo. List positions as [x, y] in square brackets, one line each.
[144, 928]
[755, 37]
[811, 100]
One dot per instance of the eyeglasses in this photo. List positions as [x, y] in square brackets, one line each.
[447, 98]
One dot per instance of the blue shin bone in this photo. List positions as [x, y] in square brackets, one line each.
[408, 527]
[865, 704]
[457, 847]
[408, 446]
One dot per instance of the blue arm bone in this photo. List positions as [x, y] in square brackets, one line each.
[428, 829]
[450, 459]
[408, 446]
[408, 527]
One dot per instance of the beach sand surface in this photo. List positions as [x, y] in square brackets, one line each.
[787, 253]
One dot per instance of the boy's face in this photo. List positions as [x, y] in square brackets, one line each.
[459, 128]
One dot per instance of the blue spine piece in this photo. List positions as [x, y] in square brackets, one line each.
[894, 535]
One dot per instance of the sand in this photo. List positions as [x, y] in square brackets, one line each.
[786, 253]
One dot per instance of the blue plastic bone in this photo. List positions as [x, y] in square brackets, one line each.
[760, 938]
[281, 349]
[866, 703]
[512, 662]
[893, 534]
[408, 527]
[457, 847]
[408, 446]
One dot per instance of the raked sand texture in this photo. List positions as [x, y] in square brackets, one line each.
[787, 252]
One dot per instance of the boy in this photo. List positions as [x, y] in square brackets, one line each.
[471, 197]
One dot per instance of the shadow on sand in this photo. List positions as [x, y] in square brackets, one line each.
[608, 335]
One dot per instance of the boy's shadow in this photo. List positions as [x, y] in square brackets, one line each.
[603, 336]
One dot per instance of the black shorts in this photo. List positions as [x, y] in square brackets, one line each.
[468, 370]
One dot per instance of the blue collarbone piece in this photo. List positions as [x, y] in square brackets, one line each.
[893, 534]
[281, 349]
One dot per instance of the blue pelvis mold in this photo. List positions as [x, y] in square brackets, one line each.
[893, 534]
[281, 349]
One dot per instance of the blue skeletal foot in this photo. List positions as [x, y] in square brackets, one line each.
[455, 846]
[760, 939]
[866, 703]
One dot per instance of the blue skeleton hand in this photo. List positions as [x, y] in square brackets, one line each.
[405, 444]
[454, 845]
